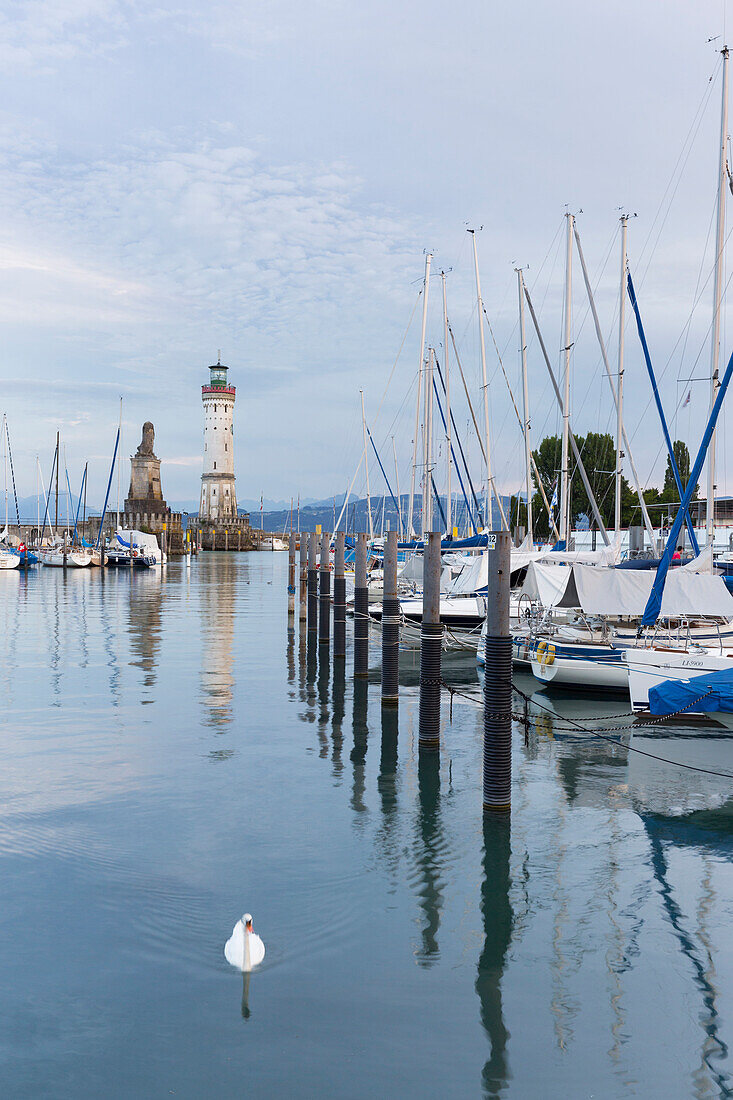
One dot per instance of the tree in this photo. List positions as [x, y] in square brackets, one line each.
[682, 458]
[598, 453]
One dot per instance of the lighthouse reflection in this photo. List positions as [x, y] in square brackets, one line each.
[217, 602]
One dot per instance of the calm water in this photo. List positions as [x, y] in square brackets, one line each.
[171, 757]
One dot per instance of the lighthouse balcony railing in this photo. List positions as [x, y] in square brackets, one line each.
[219, 390]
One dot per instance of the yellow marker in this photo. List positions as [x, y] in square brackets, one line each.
[318, 529]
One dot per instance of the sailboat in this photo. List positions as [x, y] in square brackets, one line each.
[9, 559]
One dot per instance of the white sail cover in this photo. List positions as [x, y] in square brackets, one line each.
[606, 555]
[148, 543]
[475, 577]
[412, 569]
[624, 592]
[703, 563]
[545, 584]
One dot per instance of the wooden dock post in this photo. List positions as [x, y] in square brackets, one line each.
[324, 620]
[361, 609]
[390, 623]
[339, 598]
[303, 575]
[431, 642]
[312, 584]
[291, 576]
[497, 763]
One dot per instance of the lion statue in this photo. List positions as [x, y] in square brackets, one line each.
[146, 443]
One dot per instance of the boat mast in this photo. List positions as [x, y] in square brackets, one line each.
[449, 513]
[427, 500]
[490, 487]
[620, 390]
[366, 461]
[565, 508]
[68, 495]
[525, 406]
[5, 462]
[717, 296]
[399, 498]
[426, 284]
[119, 468]
[56, 515]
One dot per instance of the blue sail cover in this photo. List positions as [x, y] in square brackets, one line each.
[672, 696]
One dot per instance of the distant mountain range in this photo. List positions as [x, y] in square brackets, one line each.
[322, 513]
[245, 505]
[31, 507]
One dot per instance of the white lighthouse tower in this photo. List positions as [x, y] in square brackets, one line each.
[218, 498]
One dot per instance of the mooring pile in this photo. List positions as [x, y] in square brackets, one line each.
[314, 602]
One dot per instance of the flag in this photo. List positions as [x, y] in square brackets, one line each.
[686, 402]
[553, 502]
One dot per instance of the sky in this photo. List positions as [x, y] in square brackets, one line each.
[265, 178]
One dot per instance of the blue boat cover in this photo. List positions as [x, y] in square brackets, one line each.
[672, 696]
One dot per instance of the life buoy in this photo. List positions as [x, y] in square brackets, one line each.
[545, 653]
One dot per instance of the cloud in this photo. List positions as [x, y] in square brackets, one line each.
[37, 34]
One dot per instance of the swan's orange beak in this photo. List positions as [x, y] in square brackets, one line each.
[248, 926]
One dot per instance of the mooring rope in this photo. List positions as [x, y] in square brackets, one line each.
[524, 719]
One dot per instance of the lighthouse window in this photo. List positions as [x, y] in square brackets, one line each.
[226, 446]
[214, 465]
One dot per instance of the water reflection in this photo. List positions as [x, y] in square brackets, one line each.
[217, 602]
[496, 911]
[337, 717]
[358, 753]
[290, 657]
[246, 1010]
[324, 675]
[146, 594]
[430, 853]
[714, 1050]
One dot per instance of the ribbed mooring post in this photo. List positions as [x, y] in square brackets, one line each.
[324, 616]
[312, 583]
[303, 576]
[431, 640]
[361, 609]
[498, 679]
[390, 624]
[291, 576]
[339, 599]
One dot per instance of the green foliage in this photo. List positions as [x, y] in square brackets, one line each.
[598, 452]
[669, 491]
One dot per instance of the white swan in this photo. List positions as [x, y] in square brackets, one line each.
[244, 948]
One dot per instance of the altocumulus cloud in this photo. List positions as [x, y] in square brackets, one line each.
[154, 256]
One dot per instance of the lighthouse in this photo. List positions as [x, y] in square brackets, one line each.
[218, 497]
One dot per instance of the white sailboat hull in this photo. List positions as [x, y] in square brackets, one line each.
[648, 667]
[9, 560]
